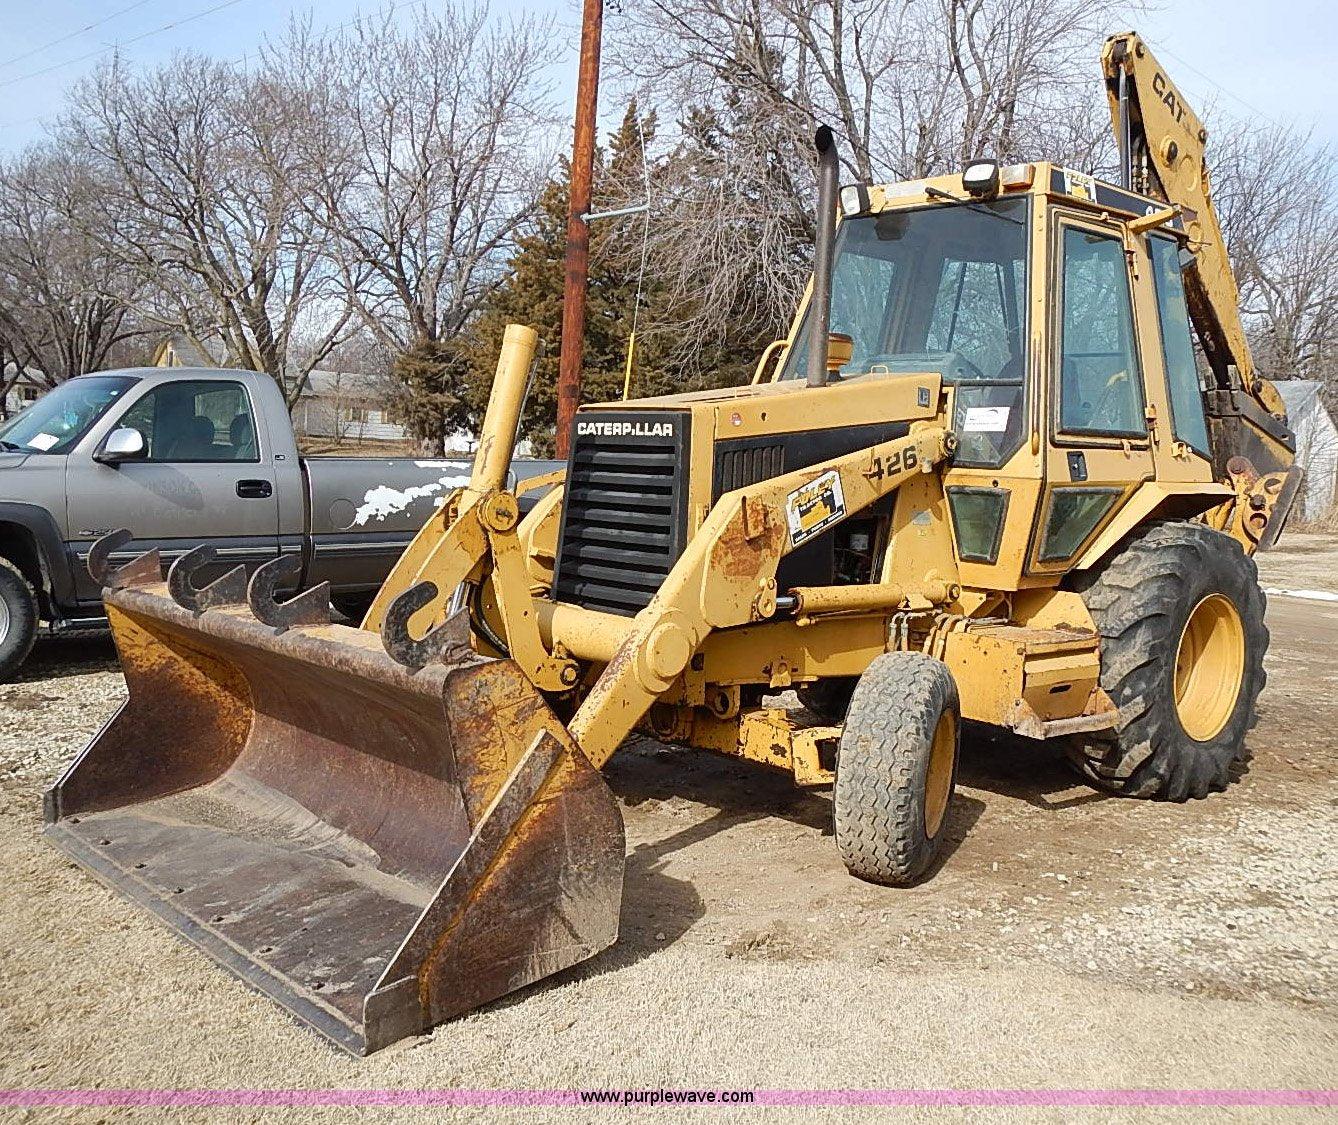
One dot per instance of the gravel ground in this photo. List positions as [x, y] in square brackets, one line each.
[1069, 939]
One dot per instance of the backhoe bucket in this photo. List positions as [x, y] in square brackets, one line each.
[376, 848]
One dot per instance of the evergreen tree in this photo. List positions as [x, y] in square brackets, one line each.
[434, 399]
[532, 292]
[620, 291]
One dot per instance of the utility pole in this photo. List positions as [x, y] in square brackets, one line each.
[578, 229]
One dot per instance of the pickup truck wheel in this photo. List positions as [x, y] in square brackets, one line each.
[18, 619]
[896, 768]
[1183, 638]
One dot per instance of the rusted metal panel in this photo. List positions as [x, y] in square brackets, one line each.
[328, 824]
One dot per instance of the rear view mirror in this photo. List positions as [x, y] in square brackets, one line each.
[122, 444]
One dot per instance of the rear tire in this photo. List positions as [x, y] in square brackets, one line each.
[896, 768]
[18, 619]
[1181, 618]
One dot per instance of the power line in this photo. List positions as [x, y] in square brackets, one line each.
[73, 34]
[389, 9]
[123, 43]
[1221, 89]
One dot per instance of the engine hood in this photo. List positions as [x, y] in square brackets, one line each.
[788, 407]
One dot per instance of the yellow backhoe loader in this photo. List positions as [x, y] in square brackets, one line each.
[982, 479]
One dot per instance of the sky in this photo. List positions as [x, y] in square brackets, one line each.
[1251, 60]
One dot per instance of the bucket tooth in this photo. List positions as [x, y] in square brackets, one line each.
[311, 607]
[447, 643]
[230, 589]
[140, 571]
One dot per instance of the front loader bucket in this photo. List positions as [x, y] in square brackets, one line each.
[375, 848]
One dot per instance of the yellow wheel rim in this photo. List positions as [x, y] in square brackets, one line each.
[1209, 667]
[938, 777]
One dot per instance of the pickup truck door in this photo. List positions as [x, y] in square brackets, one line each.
[206, 478]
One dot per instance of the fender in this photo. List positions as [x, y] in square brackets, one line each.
[1154, 500]
[56, 585]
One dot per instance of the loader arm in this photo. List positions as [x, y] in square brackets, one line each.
[727, 577]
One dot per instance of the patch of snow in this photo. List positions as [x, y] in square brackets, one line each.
[1304, 595]
[383, 501]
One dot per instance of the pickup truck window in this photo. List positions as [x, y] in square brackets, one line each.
[200, 421]
[57, 420]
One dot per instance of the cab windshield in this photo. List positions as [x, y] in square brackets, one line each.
[944, 289]
[57, 420]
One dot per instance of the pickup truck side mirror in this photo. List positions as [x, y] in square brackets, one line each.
[123, 444]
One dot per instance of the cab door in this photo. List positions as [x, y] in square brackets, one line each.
[206, 477]
[1099, 448]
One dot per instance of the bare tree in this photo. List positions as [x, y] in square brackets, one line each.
[199, 200]
[1277, 196]
[425, 149]
[911, 89]
[64, 304]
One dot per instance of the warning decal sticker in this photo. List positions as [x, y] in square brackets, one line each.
[814, 507]
[1080, 185]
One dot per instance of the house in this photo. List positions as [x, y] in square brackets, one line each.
[346, 406]
[1316, 445]
[338, 405]
[180, 351]
[27, 388]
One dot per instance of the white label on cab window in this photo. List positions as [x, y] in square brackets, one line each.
[986, 419]
[42, 442]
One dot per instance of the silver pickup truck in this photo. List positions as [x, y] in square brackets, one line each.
[182, 457]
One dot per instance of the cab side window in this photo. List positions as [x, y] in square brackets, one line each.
[1177, 347]
[1100, 382]
[202, 421]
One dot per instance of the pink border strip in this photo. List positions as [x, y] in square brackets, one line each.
[175, 1098]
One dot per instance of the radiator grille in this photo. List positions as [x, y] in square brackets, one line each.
[623, 517]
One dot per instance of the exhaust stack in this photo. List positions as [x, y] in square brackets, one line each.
[820, 303]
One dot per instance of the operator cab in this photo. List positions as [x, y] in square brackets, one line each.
[1026, 289]
[939, 288]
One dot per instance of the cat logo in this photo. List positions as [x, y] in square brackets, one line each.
[812, 508]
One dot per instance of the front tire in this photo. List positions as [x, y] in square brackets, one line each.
[1181, 618]
[896, 768]
[18, 619]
